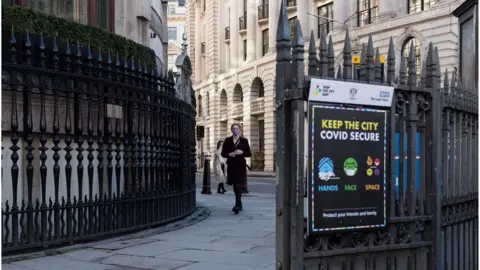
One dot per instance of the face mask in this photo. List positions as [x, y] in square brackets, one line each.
[350, 167]
[236, 132]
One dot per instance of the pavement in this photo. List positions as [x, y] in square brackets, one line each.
[255, 174]
[218, 240]
[263, 185]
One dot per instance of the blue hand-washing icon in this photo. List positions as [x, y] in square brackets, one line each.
[325, 169]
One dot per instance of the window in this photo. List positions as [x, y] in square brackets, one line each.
[59, 8]
[172, 33]
[325, 25]
[293, 23]
[244, 50]
[102, 14]
[181, 3]
[199, 105]
[265, 41]
[204, 5]
[419, 5]
[261, 91]
[142, 31]
[171, 9]
[367, 12]
[6, 3]
[406, 53]
[171, 62]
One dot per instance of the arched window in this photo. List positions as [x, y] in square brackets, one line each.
[261, 91]
[406, 53]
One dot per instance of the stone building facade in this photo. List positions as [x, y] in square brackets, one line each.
[232, 48]
[176, 29]
[144, 22]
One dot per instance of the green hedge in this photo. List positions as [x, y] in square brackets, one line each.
[23, 19]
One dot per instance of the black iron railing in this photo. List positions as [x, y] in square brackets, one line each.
[109, 146]
[263, 12]
[227, 33]
[242, 23]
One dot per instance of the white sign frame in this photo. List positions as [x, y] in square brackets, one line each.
[330, 91]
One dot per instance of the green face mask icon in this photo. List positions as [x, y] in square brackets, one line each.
[350, 166]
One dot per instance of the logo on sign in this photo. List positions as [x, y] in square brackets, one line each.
[384, 94]
[353, 93]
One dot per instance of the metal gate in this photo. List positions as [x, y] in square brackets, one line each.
[433, 185]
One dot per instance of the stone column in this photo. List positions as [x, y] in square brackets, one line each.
[258, 32]
[303, 6]
[251, 29]
[387, 9]
[269, 124]
[222, 48]
[273, 12]
[198, 45]
[233, 34]
[241, 51]
[341, 11]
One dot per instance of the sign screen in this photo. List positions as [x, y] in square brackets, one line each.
[347, 168]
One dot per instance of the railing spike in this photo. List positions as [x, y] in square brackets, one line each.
[13, 49]
[412, 67]
[423, 72]
[445, 81]
[363, 63]
[347, 57]
[431, 76]
[438, 71]
[28, 47]
[312, 58]
[132, 64]
[391, 62]
[323, 55]
[331, 58]
[283, 27]
[370, 69]
[403, 71]
[378, 67]
[42, 51]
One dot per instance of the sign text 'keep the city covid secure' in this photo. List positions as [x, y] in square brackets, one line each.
[349, 130]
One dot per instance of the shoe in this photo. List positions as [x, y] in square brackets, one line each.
[245, 191]
[239, 206]
[219, 189]
[236, 210]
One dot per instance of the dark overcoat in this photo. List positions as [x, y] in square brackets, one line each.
[236, 166]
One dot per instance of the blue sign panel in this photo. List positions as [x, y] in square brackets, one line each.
[397, 163]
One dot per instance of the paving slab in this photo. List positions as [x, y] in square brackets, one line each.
[226, 258]
[89, 255]
[123, 243]
[147, 250]
[59, 262]
[13, 267]
[145, 262]
[212, 266]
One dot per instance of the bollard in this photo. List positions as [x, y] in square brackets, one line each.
[206, 189]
